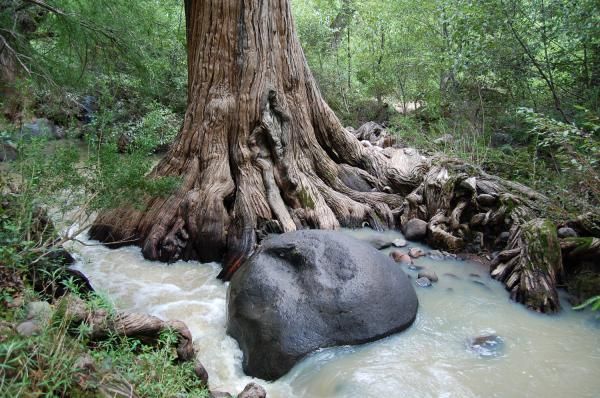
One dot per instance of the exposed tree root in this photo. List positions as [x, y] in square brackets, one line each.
[532, 265]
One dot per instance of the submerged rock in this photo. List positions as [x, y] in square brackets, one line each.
[429, 274]
[380, 243]
[481, 284]
[436, 255]
[451, 275]
[488, 345]
[423, 282]
[306, 290]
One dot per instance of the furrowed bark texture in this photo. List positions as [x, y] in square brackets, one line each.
[260, 151]
[258, 144]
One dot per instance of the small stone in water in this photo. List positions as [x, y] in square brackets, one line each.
[380, 243]
[431, 275]
[449, 255]
[413, 267]
[415, 252]
[399, 243]
[400, 257]
[436, 255]
[483, 285]
[423, 282]
[489, 345]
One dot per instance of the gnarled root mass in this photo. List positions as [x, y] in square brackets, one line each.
[261, 152]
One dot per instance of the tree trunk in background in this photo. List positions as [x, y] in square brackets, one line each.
[260, 151]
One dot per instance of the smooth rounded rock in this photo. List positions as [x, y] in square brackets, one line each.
[253, 390]
[415, 230]
[39, 310]
[566, 232]
[429, 274]
[486, 200]
[310, 289]
[28, 328]
[399, 243]
[380, 243]
[415, 252]
[400, 257]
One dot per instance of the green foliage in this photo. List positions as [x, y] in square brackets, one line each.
[156, 129]
[155, 373]
[592, 303]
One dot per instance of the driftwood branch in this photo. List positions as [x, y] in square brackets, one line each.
[144, 327]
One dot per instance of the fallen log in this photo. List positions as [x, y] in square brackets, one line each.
[144, 327]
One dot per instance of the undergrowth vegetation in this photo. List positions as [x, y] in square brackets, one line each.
[59, 360]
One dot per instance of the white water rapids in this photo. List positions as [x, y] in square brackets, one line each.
[543, 356]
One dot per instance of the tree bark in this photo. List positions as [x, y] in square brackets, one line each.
[258, 144]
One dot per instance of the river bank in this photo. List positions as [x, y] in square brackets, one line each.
[553, 356]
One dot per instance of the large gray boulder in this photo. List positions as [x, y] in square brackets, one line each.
[311, 289]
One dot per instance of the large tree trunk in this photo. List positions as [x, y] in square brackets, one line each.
[258, 144]
[261, 151]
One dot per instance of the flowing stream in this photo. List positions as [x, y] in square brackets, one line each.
[542, 356]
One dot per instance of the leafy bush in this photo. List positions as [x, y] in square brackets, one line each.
[569, 150]
[156, 129]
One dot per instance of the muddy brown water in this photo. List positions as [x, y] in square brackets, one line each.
[542, 356]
